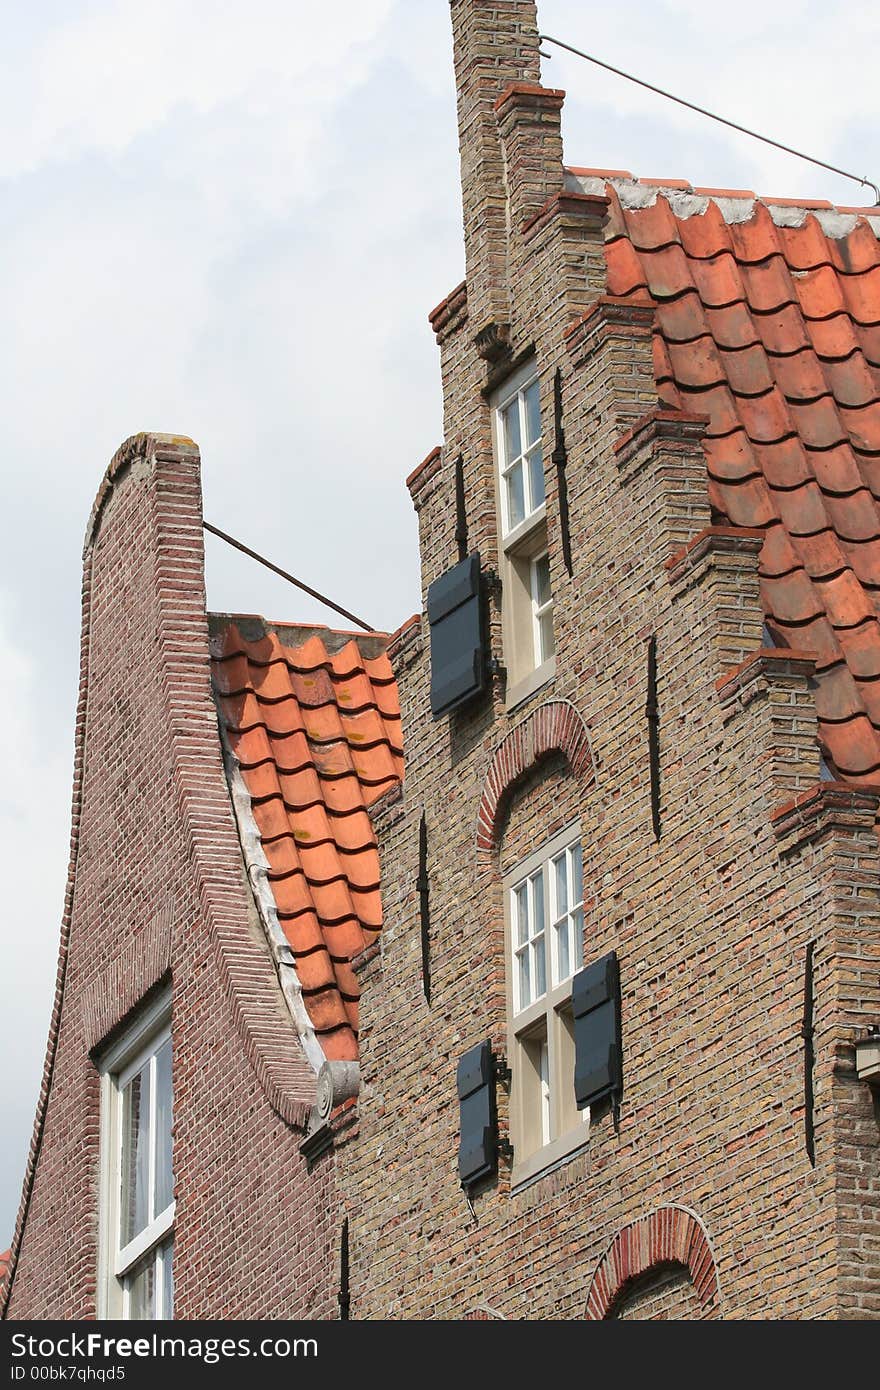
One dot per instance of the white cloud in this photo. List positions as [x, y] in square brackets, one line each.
[791, 71]
[34, 816]
[118, 70]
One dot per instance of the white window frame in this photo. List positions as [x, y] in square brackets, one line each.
[546, 1126]
[117, 1066]
[514, 391]
[529, 666]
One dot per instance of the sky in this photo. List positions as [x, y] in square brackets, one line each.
[230, 220]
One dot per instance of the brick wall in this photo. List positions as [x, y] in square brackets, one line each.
[663, 1296]
[158, 891]
[710, 924]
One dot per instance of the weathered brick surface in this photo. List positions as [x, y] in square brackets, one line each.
[665, 1296]
[710, 923]
[158, 891]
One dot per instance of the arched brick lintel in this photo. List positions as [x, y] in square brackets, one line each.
[670, 1235]
[554, 727]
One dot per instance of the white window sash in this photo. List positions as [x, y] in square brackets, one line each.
[523, 459]
[536, 935]
[538, 609]
[568, 917]
[150, 1236]
[541, 1016]
[140, 1045]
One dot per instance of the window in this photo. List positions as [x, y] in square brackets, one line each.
[545, 922]
[137, 1179]
[525, 562]
[542, 608]
[520, 457]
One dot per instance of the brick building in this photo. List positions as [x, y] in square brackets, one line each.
[597, 1041]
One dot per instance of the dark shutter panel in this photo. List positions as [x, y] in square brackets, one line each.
[595, 1005]
[478, 1146]
[458, 645]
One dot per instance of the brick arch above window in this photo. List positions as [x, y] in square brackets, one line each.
[671, 1235]
[554, 727]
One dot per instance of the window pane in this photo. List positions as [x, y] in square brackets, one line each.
[563, 951]
[164, 1177]
[516, 509]
[540, 968]
[135, 1208]
[577, 874]
[524, 983]
[165, 1255]
[537, 902]
[536, 478]
[542, 580]
[546, 640]
[521, 911]
[512, 442]
[533, 413]
[561, 878]
[142, 1290]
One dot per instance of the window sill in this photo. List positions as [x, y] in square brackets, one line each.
[521, 535]
[542, 675]
[551, 1156]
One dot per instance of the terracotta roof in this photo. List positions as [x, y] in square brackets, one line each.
[768, 323]
[4, 1264]
[312, 718]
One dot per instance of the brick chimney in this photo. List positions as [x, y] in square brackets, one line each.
[495, 44]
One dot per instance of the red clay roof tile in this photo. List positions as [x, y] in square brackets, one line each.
[837, 697]
[864, 556]
[852, 381]
[822, 555]
[768, 321]
[853, 746]
[625, 274]
[748, 370]
[778, 555]
[784, 331]
[697, 364]
[718, 281]
[784, 463]
[314, 728]
[800, 375]
[731, 457]
[655, 228]
[745, 504]
[854, 516]
[820, 292]
[834, 338]
[802, 510]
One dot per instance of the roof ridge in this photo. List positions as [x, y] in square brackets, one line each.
[618, 177]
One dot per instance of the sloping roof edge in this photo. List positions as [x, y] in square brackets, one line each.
[257, 868]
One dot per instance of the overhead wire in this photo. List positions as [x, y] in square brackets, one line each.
[291, 579]
[701, 111]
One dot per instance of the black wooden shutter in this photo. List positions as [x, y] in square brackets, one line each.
[478, 1145]
[458, 645]
[595, 1004]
